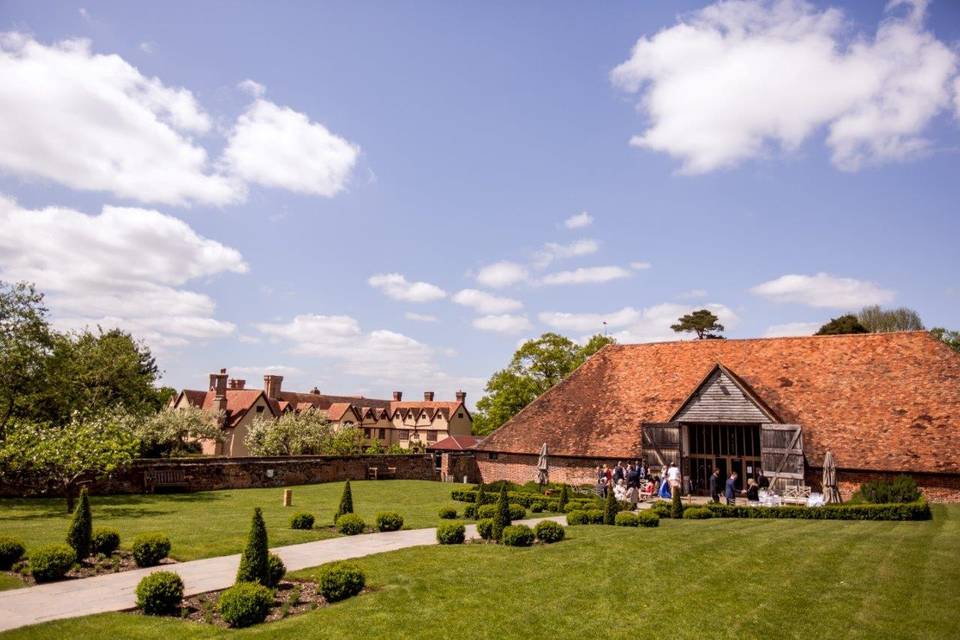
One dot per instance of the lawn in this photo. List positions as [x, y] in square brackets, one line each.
[686, 579]
[215, 523]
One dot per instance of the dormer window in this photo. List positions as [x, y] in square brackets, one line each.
[260, 409]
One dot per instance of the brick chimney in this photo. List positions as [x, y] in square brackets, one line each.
[218, 384]
[237, 384]
[271, 386]
[398, 395]
[461, 396]
[315, 391]
[428, 396]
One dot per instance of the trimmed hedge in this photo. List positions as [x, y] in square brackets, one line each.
[451, 533]
[350, 524]
[486, 511]
[389, 521]
[340, 580]
[517, 512]
[661, 508]
[160, 593]
[302, 521]
[648, 519]
[485, 528]
[245, 604]
[470, 511]
[51, 562]
[11, 550]
[903, 488]
[697, 513]
[548, 531]
[448, 513]
[576, 517]
[918, 510]
[626, 519]
[595, 516]
[104, 541]
[523, 498]
[537, 507]
[517, 535]
[275, 570]
[150, 548]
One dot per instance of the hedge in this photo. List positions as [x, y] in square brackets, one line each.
[51, 562]
[160, 593]
[523, 498]
[625, 519]
[517, 535]
[918, 510]
[389, 521]
[470, 511]
[576, 517]
[245, 604]
[350, 524]
[451, 533]
[485, 528]
[697, 513]
[150, 548]
[549, 531]
[104, 541]
[517, 512]
[302, 521]
[648, 519]
[448, 513]
[340, 580]
[11, 550]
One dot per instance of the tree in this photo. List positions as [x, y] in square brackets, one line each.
[841, 325]
[501, 518]
[950, 338]
[564, 498]
[80, 534]
[703, 322]
[346, 502]
[610, 508]
[877, 320]
[481, 496]
[175, 432]
[292, 434]
[254, 564]
[676, 505]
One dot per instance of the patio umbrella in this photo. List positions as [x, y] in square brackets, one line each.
[830, 492]
[543, 466]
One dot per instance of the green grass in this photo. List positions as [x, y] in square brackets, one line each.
[685, 579]
[215, 523]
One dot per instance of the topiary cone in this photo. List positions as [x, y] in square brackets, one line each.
[501, 519]
[346, 502]
[676, 506]
[481, 496]
[610, 508]
[254, 564]
[564, 498]
[80, 533]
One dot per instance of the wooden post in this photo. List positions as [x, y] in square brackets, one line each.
[288, 497]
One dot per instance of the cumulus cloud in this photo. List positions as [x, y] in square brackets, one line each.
[396, 286]
[652, 324]
[823, 290]
[735, 79]
[123, 268]
[585, 275]
[420, 317]
[791, 329]
[578, 221]
[501, 274]
[554, 251]
[487, 303]
[503, 323]
[590, 321]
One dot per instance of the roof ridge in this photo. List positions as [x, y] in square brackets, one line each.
[873, 334]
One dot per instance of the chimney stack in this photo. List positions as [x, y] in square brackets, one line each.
[271, 386]
[461, 396]
[315, 391]
[218, 384]
[237, 384]
[428, 396]
[398, 395]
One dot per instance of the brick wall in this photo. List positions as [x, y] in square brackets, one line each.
[455, 466]
[205, 474]
[935, 487]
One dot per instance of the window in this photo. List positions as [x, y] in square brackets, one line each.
[383, 434]
[366, 433]
[260, 409]
[459, 414]
[431, 436]
[492, 455]
[404, 434]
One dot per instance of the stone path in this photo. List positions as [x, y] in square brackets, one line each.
[115, 591]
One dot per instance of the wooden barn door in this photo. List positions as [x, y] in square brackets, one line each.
[661, 444]
[781, 450]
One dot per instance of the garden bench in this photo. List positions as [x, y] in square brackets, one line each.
[798, 494]
[372, 473]
[165, 478]
[390, 473]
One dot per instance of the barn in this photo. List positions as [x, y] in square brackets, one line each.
[883, 404]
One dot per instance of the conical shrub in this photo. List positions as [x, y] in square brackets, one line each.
[481, 496]
[676, 506]
[80, 534]
[501, 518]
[346, 502]
[254, 563]
[564, 498]
[610, 508]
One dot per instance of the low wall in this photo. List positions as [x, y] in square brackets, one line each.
[206, 474]
[936, 487]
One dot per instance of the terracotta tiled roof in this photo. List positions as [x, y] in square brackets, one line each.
[239, 401]
[337, 410]
[878, 401]
[455, 443]
[431, 406]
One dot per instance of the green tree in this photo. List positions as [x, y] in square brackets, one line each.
[841, 325]
[950, 338]
[292, 434]
[564, 498]
[610, 508]
[346, 502]
[877, 320]
[254, 563]
[501, 519]
[175, 432]
[676, 504]
[481, 496]
[703, 323]
[80, 533]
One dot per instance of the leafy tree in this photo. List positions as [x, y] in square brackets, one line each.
[80, 534]
[501, 518]
[703, 323]
[169, 433]
[254, 563]
[841, 325]
[345, 441]
[346, 502]
[292, 434]
[396, 450]
[950, 338]
[877, 320]
[375, 449]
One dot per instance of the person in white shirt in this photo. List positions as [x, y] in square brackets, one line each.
[620, 491]
[673, 475]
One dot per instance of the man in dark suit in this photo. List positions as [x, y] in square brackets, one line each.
[715, 485]
[730, 492]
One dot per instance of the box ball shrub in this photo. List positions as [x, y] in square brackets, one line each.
[573, 506]
[451, 533]
[487, 511]
[11, 550]
[625, 519]
[697, 513]
[537, 507]
[648, 519]
[275, 570]
[340, 580]
[661, 508]
[485, 528]
[350, 524]
[595, 516]
[150, 548]
[576, 517]
[553, 506]
[105, 541]
[448, 513]
[51, 562]
[160, 593]
[517, 535]
[470, 511]
[245, 604]
[517, 512]
[389, 521]
[302, 521]
[548, 531]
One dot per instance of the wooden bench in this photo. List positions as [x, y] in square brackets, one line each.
[376, 473]
[165, 478]
[372, 473]
[796, 494]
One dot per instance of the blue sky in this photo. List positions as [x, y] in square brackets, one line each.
[227, 180]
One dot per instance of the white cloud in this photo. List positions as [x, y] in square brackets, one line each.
[640, 266]
[791, 329]
[590, 321]
[396, 286]
[93, 122]
[823, 290]
[501, 274]
[483, 302]
[276, 146]
[419, 317]
[554, 251]
[578, 221]
[122, 268]
[585, 275]
[248, 339]
[252, 87]
[146, 47]
[734, 79]
[504, 323]
[693, 294]
[653, 323]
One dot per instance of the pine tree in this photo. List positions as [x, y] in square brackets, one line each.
[481, 496]
[610, 508]
[502, 518]
[676, 506]
[564, 498]
[81, 528]
[254, 564]
[346, 502]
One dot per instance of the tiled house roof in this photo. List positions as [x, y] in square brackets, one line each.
[886, 402]
[454, 443]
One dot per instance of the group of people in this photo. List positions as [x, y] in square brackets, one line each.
[634, 482]
[752, 490]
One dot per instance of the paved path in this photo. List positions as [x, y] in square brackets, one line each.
[115, 591]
